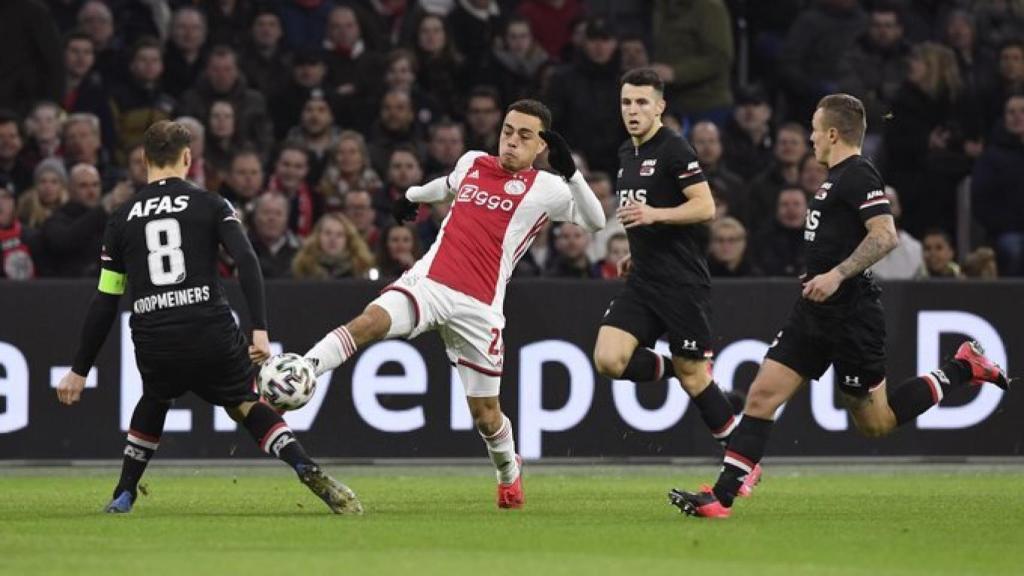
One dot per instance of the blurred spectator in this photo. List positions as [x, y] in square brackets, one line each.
[84, 88]
[784, 171]
[222, 139]
[483, 120]
[812, 174]
[348, 168]
[359, 210]
[197, 146]
[307, 78]
[924, 144]
[397, 252]
[264, 59]
[141, 101]
[49, 193]
[874, 68]
[999, 21]
[186, 50]
[317, 133]
[727, 256]
[981, 264]
[905, 261]
[633, 52]
[289, 178]
[997, 189]
[474, 24]
[274, 243]
[809, 61]
[43, 128]
[97, 21]
[727, 187]
[444, 148]
[222, 81]
[779, 247]
[428, 228]
[228, 20]
[82, 145]
[939, 256]
[31, 63]
[441, 67]
[353, 69]
[552, 22]
[334, 250]
[534, 262]
[244, 181]
[1011, 77]
[570, 257]
[73, 235]
[404, 170]
[603, 187]
[12, 169]
[304, 22]
[401, 75]
[616, 249]
[515, 62]
[136, 175]
[977, 70]
[693, 53]
[747, 136]
[17, 242]
[394, 127]
[584, 99]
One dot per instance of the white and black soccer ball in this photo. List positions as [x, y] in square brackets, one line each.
[287, 381]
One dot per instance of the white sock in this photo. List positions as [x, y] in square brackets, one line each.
[332, 351]
[502, 448]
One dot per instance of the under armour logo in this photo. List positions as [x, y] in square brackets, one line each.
[690, 345]
[851, 380]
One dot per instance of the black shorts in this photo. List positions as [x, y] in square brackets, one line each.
[224, 375]
[849, 336]
[648, 311]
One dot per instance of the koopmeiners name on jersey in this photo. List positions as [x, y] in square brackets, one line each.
[172, 299]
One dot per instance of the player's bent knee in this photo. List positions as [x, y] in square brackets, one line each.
[238, 413]
[610, 363]
[873, 429]
[763, 401]
[370, 326]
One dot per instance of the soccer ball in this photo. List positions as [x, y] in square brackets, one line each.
[287, 381]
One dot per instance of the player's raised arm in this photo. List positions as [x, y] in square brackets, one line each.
[98, 319]
[586, 209]
[249, 276]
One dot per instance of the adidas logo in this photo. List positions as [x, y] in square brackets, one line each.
[474, 174]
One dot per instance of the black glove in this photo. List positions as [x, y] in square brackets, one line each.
[404, 209]
[559, 154]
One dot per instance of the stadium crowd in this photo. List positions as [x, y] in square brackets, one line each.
[313, 116]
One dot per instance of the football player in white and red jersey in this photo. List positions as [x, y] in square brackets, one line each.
[500, 205]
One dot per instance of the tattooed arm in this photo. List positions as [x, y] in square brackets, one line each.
[880, 240]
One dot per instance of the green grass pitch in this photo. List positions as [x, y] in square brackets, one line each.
[578, 520]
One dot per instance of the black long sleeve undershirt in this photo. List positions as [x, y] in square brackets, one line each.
[249, 274]
[98, 320]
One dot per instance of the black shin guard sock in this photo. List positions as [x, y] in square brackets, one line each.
[645, 365]
[274, 436]
[717, 412]
[143, 439]
[957, 373]
[915, 396]
[745, 450]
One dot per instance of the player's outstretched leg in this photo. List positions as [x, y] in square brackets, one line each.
[342, 343]
[496, 430]
[775, 384]
[274, 437]
[969, 367]
[143, 439]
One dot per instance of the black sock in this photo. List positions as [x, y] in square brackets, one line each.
[717, 412]
[646, 365]
[745, 450]
[143, 439]
[916, 395]
[274, 436]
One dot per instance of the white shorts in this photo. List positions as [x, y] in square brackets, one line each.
[470, 329]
